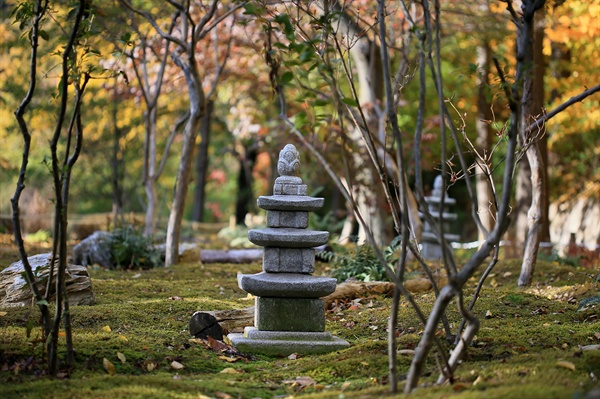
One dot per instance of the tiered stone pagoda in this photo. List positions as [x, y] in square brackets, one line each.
[431, 248]
[289, 316]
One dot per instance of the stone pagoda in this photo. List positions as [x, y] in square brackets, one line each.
[431, 248]
[289, 316]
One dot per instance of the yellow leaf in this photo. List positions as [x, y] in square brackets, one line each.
[204, 397]
[150, 366]
[229, 359]
[106, 329]
[229, 370]
[2, 314]
[176, 365]
[109, 367]
[123, 338]
[345, 386]
[121, 357]
[566, 365]
[364, 363]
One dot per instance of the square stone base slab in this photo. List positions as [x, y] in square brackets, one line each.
[279, 343]
[289, 314]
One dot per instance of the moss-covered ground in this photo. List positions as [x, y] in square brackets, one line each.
[529, 344]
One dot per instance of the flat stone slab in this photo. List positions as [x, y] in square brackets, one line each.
[286, 285]
[279, 343]
[289, 203]
[288, 238]
[289, 314]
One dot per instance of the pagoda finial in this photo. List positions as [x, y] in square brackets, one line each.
[289, 161]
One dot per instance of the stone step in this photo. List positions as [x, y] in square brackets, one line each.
[288, 237]
[289, 203]
[286, 285]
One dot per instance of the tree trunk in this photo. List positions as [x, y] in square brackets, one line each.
[116, 165]
[245, 193]
[197, 110]
[202, 164]
[485, 200]
[531, 108]
[150, 170]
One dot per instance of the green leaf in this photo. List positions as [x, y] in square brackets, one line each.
[300, 120]
[287, 77]
[44, 35]
[350, 101]
[42, 302]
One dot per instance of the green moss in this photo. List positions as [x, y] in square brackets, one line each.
[144, 316]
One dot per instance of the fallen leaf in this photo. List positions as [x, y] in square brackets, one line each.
[121, 357]
[137, 275]
[150, 365]
[408, 352]
[62, 334]
[459, 387]
[196, 341]
[109, 367]
[2, 314]
[566, 365]
[123, 338]
[176, 298]
[488, 315]
[229, 370]
[106, 329]
[217, 345]
[229, 359]
[293, 356]
[364, 363]
[200, 396]
[477, 380]
[223, 395]
[301, 382]
[176, 365]
[597, 335]
[345, 386]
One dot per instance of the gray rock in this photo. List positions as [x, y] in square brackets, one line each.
[94, 250]
[290, 203]
[288, 238]
[290, 314]
[286, 285]
[296, 220]
[289, 260]
[14, 290]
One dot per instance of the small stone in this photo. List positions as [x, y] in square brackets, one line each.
[204, 325]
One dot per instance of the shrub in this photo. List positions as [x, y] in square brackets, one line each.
[131, 250]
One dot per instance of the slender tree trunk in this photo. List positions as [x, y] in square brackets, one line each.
[116, 164]
[202, 164]
[532, 108]
[485, 199]
[150, 171]
[245, 194]
[197, 110]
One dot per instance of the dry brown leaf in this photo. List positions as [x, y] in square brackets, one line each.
[109, 367]
[176, 365]
[121, 357]
[566, 365]
[217, 345]
[597, 335]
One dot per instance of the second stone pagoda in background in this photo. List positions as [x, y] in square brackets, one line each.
[289, 314]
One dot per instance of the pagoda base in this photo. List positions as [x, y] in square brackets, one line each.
[280, 343]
